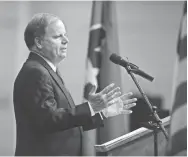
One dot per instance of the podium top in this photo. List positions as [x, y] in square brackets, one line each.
[125, 139]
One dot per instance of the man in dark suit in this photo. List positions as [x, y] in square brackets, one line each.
[48, 122]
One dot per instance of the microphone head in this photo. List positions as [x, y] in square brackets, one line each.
[115, 58]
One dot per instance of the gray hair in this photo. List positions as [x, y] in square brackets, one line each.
[36, 27]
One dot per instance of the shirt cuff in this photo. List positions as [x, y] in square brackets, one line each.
[100, 113]
[91, 109]
[93, 113]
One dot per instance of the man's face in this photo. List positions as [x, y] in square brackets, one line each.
[54, 42]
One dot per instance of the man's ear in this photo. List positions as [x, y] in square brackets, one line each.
[37, 41]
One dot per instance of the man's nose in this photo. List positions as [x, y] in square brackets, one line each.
[65, 40]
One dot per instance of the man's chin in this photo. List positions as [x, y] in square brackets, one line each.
[63, 56]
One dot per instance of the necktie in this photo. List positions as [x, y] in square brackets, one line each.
[59, 75]
[71, 102]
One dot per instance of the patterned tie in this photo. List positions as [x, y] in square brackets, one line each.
[71, 101]
[59, 75]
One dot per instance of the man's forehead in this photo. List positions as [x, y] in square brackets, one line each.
[56, 26]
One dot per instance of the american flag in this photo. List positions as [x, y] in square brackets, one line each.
[103, 41]
[177, 143]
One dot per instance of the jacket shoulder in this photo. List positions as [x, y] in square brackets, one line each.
[30, 67]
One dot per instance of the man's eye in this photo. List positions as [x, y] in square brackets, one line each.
[60, 36]
[57, 36]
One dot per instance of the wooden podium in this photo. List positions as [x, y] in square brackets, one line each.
[139, 142]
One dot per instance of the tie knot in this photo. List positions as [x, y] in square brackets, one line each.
[57, 72]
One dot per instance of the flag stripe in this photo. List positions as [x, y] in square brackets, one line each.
[95, 41]
[182, 51]
[181, 75]
[179, 141]
[181, 96]
[182, 40]
[185, 7]
[178, 121]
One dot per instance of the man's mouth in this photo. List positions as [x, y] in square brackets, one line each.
[63, 49]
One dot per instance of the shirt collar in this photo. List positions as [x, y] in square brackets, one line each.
[54, 68]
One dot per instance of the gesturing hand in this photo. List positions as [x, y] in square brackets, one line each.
[121, 105]
[103, 99]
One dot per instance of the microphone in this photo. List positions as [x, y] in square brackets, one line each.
[135, 69]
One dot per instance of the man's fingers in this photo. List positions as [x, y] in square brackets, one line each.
[124, 96]
[113, 101]
[129, 101]
[114, 96]
[126, 111]
[117, 89]
[129, 106]
[107, 89]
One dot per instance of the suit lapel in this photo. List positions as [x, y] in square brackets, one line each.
[56, 78]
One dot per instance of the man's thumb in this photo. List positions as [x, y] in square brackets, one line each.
[93, 89]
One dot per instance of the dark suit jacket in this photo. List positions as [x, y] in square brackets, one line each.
[47, 120]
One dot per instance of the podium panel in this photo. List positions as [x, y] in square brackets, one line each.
[139, 142]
